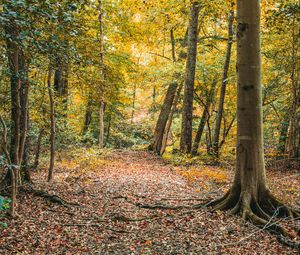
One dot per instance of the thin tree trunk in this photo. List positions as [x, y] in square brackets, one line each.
[170, 120]
[133, 103]
[187, 114]
[103, 78]
[173, 45]
[204, 118]
[52, 124]
[284, 127]
[13, 51]
[87, 117]
[38, 149]
[24, 117]
[101, 125]
[156, 144]
[217, 129]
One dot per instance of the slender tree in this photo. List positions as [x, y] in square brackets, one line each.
[204, 117]
[52, 127]
[103, 78]
[217, 128]
[163, 118]
[249, 194]
[187, 113]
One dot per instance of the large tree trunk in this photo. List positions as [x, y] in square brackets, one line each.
[215, 148]
[187, 114]
[249, 195]
[156, 144]
[204, 118]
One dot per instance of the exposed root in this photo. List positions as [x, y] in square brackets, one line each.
[160, 206]
[52, 198]
[127, 219]
[261, 212]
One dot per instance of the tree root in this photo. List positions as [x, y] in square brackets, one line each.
[127, 219]
[261, 212]
[52, 198]
[160, 206]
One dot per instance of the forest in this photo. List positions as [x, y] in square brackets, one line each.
[149, 127]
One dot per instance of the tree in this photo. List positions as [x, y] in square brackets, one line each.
[52, 126]
[249, 195]
[215, 147]
[157, 140]
[187, 114]
[204, 118]
[103, 78]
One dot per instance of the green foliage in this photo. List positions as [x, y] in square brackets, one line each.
[4, 203]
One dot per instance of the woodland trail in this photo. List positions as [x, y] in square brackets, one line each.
[109, 217]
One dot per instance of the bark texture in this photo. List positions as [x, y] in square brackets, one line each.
[249, 195]
[156, 144]
[187, 114]
[52, 128]
[170, 119]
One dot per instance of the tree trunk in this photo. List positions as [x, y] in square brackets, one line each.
[156, 144]
[87, 117]
[24, 120]
[173, 45]
[170, 120]
[103, 78]
[13, 53]
[133, 103]
[101, 125]
[249, 195]
[187, 114]
[204, 118]
[215, 148]
[52, 124]
[38, 149]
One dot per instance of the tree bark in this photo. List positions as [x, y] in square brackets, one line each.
[103, 78]
[204, 118]
[101, 125]
[215, 148]
[156, 144]
[13, 53]
[249, 195]
[187, 114]
[170, 120]
[52, 127]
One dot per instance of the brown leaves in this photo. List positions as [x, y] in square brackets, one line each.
[103, 224]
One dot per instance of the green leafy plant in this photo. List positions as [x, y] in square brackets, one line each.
[4, 206]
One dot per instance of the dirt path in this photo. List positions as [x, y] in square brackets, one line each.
[110, 220]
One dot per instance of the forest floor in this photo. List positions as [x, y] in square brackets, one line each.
[132, 202]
